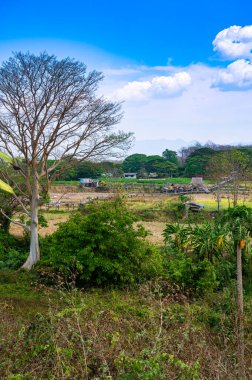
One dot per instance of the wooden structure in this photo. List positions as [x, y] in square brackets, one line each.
[193, 206]
[89, 182]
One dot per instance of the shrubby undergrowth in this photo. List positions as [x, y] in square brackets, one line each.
[102, 246]
[180, 323]
[13, 250]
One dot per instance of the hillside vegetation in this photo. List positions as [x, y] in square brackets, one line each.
[104, 303]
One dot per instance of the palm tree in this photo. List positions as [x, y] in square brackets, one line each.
[238, 221]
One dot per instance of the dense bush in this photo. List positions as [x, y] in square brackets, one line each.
[193, 276]
[12, 250]
[199, 257]
[102, 246]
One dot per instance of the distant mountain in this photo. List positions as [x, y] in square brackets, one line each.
[151, 147]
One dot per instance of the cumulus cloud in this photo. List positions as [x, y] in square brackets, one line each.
[234, 42]
[237, 76]
[158, 86]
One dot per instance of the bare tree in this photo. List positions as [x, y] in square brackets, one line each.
[230, 169]
[49, 110]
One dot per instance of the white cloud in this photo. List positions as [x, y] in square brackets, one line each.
[201, 113]
[234, 42]
[158, 86]
[237, 76]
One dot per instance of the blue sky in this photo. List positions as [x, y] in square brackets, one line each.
[158, 56]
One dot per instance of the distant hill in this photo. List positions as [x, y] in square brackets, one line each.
[152, 147]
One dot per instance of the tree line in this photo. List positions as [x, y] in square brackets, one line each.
[197, 160]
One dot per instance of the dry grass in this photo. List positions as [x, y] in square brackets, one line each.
[155, 229]
[113, 334]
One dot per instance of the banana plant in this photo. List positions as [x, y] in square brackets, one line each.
[6, 158]
[3, 185]
[178, 235]
[209, 240]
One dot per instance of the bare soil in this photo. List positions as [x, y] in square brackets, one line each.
[53, 225]
[154, 227]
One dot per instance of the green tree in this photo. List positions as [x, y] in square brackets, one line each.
[134, 163]
[152, 162]
[171, 155]
[196, 163]
[165, 168]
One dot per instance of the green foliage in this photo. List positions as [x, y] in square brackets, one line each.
[5, 157]
[176, 236]
[196, 163]
[12, 260]
[12, 251]
[195, 277]
[163, 166]
[171, 156]
[102, 247]
[134, 162]
[151, 366]
[5, 187]
[238, 221]
[201, 256]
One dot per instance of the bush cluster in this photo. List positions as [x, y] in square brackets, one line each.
[102, 245]
[12, 251]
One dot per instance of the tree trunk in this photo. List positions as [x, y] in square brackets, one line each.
[34, 254]
[240, 323]
[218, 200]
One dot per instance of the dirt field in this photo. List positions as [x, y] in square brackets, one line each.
[154, 227]
[53, 220]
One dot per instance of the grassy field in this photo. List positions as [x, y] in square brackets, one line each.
[159, 181]
[52, 330]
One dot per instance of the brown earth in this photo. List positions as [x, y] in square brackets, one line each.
[43, 231]
[155, 228]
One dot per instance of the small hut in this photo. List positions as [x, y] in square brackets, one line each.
[130, 175]
[89, 182]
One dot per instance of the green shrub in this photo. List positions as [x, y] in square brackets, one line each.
[190, 275]
[13, 259]
[151, 366]
[12, 250]
[102, 247]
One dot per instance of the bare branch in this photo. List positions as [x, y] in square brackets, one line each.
[27, 228]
